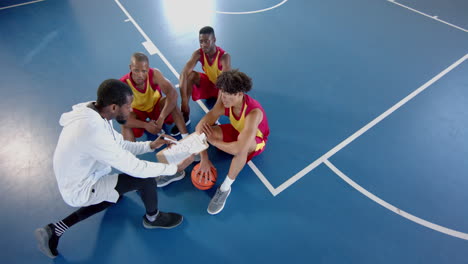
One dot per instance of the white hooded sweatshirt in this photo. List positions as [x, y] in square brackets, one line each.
[87, 149]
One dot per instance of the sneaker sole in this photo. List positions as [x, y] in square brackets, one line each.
[162, 227]
[175, 135]
[43, 242]
[178, 133]
[173, 180]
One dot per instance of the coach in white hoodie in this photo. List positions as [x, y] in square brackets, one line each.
[87, 150]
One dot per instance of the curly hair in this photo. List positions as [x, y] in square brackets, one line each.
[234, 81]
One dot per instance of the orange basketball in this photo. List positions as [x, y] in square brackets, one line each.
[204, 182]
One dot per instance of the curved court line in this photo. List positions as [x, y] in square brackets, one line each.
[361, 131]
[394, 209]
[252, 12]
[424, 14]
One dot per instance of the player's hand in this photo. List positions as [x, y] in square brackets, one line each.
[208, 130]
[185, 163]
[152, 127]
[205, 167]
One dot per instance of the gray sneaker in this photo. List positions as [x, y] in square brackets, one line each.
[218, 201]
[162, 181]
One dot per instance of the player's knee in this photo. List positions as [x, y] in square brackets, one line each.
[193, 77]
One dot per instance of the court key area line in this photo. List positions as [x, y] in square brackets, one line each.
[394, 209]
[361, 131]
[429, 16]
[22, 4]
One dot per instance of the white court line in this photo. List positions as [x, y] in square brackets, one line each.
[361, 131]
[251, 12]
[424, 14]
[32, 2]
[394, 209]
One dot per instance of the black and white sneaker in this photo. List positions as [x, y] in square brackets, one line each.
[175, 130]
[163, 220]
[47, 240]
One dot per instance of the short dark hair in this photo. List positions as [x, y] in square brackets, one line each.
[139, 56]
[207, 30]
[113, 91]
[234, 81]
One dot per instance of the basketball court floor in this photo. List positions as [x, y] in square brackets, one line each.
[367, 105]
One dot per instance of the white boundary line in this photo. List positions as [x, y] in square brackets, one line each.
[32, 2]
[394, 209]
[251, 12]
[361, 131]
[424, 14]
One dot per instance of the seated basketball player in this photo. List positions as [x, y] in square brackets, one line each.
[244, 138]
[213, 60]
[148, 86]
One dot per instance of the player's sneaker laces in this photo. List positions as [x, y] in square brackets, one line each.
[218, 201]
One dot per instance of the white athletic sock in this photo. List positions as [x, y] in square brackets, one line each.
[151, 218]
[184, 135]
[226, 184]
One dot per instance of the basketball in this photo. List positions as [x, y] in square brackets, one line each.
[204, 182]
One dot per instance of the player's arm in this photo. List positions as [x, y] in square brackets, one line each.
[211, 117]
[244, 143]
[188, 68]
[226, 62]
[170, 93]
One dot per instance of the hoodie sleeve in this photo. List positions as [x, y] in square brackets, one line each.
[103, 147]
[136, 148]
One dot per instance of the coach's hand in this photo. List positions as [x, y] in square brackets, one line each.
[160, 141]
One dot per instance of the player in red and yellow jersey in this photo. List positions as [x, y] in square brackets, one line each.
[244, 138]
[148, 86]
[197, 85]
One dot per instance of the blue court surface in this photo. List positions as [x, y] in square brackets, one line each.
[367, 105]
